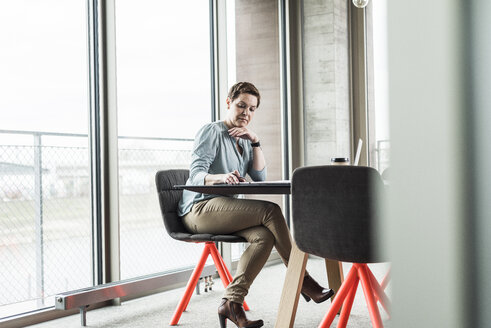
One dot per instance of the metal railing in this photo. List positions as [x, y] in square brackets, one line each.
[45, 208]
[45, 213]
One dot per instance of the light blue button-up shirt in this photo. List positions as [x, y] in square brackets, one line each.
[215, 152]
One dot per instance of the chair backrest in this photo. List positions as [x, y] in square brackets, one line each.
[334, 212]
[169, 198]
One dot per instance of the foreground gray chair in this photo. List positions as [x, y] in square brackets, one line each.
[169, 198]
[334, 212]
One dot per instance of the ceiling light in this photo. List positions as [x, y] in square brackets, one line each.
[360, 3]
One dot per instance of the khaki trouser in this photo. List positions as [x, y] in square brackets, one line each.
[261, 223]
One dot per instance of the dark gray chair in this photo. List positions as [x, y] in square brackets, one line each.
[169, 198]
[334, 212]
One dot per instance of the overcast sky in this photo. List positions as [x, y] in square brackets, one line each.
[163, 76]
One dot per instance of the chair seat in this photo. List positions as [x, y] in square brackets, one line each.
[204, 237]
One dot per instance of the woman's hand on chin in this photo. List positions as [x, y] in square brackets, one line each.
[243, 133]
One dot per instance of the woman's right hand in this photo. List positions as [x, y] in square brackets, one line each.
[228, 178]
[232, 178]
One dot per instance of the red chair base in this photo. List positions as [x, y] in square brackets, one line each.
[359, 272]
[223, 272]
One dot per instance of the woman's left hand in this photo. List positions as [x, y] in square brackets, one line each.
[244, 133]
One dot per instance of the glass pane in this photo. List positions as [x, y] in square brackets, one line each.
[255, 26]
[45, 209]
[381, 84]
[164, 97]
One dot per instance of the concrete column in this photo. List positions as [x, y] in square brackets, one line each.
[258, 61]
[326, 80]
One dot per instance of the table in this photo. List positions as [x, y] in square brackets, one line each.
[264, 187]
[298, 259]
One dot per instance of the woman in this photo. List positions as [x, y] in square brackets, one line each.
[224, 152]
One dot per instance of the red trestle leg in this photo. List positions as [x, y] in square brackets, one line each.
[218, 263]
[379, 292]
[227, 272]
[207, 245]
[348, 304]
[230, 278]
[189, 299]
[368, 291]
[385, 280]
[339, 298]
[190, 286]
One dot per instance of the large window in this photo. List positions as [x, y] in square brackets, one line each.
[164, 97]
[45, 209]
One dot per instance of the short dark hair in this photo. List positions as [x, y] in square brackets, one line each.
[244, 87]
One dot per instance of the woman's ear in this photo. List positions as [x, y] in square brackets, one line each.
[228, 102]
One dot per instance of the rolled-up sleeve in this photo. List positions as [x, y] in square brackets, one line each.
[255, 174]
[204, 153]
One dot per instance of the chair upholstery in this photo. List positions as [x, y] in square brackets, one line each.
[334, 213]
[169, 198]
[334, 217]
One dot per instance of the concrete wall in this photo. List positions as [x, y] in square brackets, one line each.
[326, 80]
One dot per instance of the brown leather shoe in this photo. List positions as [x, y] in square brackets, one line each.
[235, 313]
[312, 290]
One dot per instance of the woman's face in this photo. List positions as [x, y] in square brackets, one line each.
[241, 110]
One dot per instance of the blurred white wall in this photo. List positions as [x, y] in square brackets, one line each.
[438, 206]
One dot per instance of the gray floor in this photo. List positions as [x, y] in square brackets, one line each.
[264, 296]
